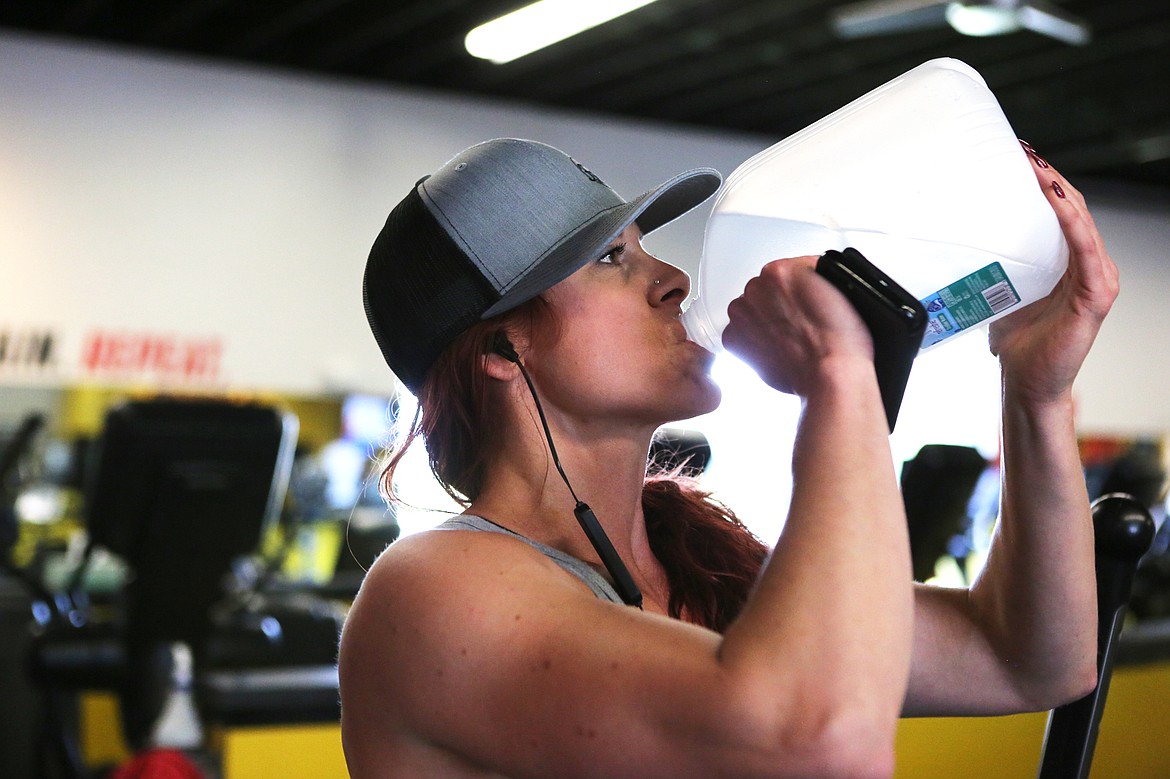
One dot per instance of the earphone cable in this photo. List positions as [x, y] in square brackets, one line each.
[623, 582]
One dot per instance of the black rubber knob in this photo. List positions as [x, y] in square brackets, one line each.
[1122, 527]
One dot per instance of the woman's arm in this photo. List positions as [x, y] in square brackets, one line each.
[836, 595]
[1024, 636]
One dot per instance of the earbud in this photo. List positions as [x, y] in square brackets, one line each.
[502, 346]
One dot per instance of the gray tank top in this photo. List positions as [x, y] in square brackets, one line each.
[592, 579]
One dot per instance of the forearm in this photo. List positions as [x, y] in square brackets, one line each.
[834, 604]
[1037, 594]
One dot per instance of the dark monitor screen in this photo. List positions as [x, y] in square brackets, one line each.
[180, 488]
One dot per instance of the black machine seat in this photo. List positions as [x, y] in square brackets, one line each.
[180, 490]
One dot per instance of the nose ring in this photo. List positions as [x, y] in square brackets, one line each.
[657, 281]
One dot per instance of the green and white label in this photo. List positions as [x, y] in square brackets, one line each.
[967, 302]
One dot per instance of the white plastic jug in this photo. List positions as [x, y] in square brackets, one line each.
[923, 175]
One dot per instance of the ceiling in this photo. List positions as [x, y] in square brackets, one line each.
[758, 66]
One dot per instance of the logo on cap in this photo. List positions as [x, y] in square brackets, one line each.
[588, 173]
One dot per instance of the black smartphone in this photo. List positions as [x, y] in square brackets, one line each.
[895, 318]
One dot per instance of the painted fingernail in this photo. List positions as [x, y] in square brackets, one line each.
[1032, 153]
[1056, 188]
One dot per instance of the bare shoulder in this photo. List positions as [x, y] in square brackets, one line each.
[427, 623]
[427, 589]
[450, 570]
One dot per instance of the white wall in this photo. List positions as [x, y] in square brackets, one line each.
[1125, 385]
[162, 201]
[153, 198]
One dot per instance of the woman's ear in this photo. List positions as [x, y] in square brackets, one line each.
[502, 361]
[502, 345]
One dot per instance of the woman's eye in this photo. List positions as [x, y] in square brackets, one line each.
[614, 255]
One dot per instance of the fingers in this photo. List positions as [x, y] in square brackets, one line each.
[1066, 200]
[789, 300]
[790, 292]
[809, 259]
[1089, 263]
[1050, 179]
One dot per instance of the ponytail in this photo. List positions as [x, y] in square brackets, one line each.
[711, 559]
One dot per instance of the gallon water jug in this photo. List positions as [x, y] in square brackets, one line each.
[923, 175]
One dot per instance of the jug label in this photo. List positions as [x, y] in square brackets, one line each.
[967, 302]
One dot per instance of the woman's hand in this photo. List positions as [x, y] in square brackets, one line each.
[789, 322]
[1042, 346]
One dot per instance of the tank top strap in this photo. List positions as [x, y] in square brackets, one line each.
[592, 579]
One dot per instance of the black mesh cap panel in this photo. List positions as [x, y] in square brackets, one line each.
[420, 291]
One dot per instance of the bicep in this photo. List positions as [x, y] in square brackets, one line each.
[955, 669]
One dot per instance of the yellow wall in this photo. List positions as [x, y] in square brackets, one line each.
[1131, 745]
[292, 752]
[83, 410]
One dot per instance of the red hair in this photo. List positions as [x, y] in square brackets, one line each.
[710, 558]
[453, 417]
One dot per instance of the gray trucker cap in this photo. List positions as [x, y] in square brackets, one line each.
[494, 227]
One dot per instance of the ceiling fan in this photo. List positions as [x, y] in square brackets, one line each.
[969, 17]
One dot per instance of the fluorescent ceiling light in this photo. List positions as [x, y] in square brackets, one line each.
[981, 20]
[542, 24]
[1055, 23]
[1003, 16]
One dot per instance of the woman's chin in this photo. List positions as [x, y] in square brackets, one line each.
[703, 398]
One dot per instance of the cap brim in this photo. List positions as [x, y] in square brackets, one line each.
[650, 210]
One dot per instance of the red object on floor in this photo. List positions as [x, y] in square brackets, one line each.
[158, 764]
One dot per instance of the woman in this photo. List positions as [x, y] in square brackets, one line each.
[511, 293]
